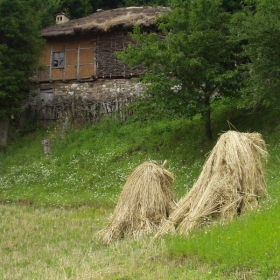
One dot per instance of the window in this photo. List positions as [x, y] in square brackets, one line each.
[58, 18]
[58, 59]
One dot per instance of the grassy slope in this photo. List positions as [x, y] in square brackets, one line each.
[89, 166]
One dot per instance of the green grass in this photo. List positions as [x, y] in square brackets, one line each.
[53, 243]
[90, 165]
[249, 243]
[52, 206]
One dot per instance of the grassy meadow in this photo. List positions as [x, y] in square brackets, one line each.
[52, 206]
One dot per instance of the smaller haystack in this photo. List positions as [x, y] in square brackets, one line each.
[145, 201]
[231, 182]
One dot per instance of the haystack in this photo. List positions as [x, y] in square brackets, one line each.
[231, 182]
[145, 201]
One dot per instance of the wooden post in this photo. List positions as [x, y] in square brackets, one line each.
[65, 126]
[51, 58]
[78, 63]
[46, 146]
[4, 129]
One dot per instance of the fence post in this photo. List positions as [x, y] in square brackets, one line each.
[46, 146]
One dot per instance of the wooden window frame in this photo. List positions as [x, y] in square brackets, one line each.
[58, 60]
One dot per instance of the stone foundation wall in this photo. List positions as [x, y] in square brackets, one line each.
[86, 100]
[100, 90]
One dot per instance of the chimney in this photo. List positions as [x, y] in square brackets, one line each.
[62, 18]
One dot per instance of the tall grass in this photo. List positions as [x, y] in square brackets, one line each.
[249, 243]
[90, 165]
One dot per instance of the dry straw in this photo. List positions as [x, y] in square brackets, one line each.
[231, 182]
[145, 201]
[104, 21]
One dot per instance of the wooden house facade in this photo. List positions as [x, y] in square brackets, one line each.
[80, 68]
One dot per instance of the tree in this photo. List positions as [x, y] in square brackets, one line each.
[46, 11]
[145, 3]
[20, 48]
[192, 63]
[76, 8]
[257, 28]
[232, 6]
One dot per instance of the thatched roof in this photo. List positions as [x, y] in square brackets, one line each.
[103, 21]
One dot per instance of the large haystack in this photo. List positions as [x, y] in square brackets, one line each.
[231, 182]
[145, 201]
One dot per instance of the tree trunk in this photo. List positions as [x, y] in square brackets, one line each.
[208, 126]
[4, 129]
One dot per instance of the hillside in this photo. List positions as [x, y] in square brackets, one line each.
[59, 201]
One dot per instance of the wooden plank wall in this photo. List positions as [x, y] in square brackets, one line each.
[88, 57]
[79, 60]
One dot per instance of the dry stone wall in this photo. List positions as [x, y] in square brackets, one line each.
[89, 100]
[100, 90]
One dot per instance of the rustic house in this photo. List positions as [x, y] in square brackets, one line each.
[81, 75]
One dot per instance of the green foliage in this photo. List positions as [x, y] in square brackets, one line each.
[257, 28]
[191, 63]
[76, 8]
[20, 47]
[232, 6]
[128, 3]
[45, 10]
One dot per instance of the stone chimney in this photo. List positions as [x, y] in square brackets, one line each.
[62, 18]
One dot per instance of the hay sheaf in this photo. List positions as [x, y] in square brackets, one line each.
[145, 201]
[231, 182]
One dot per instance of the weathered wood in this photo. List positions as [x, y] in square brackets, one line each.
[108, 64]
[85, 110]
